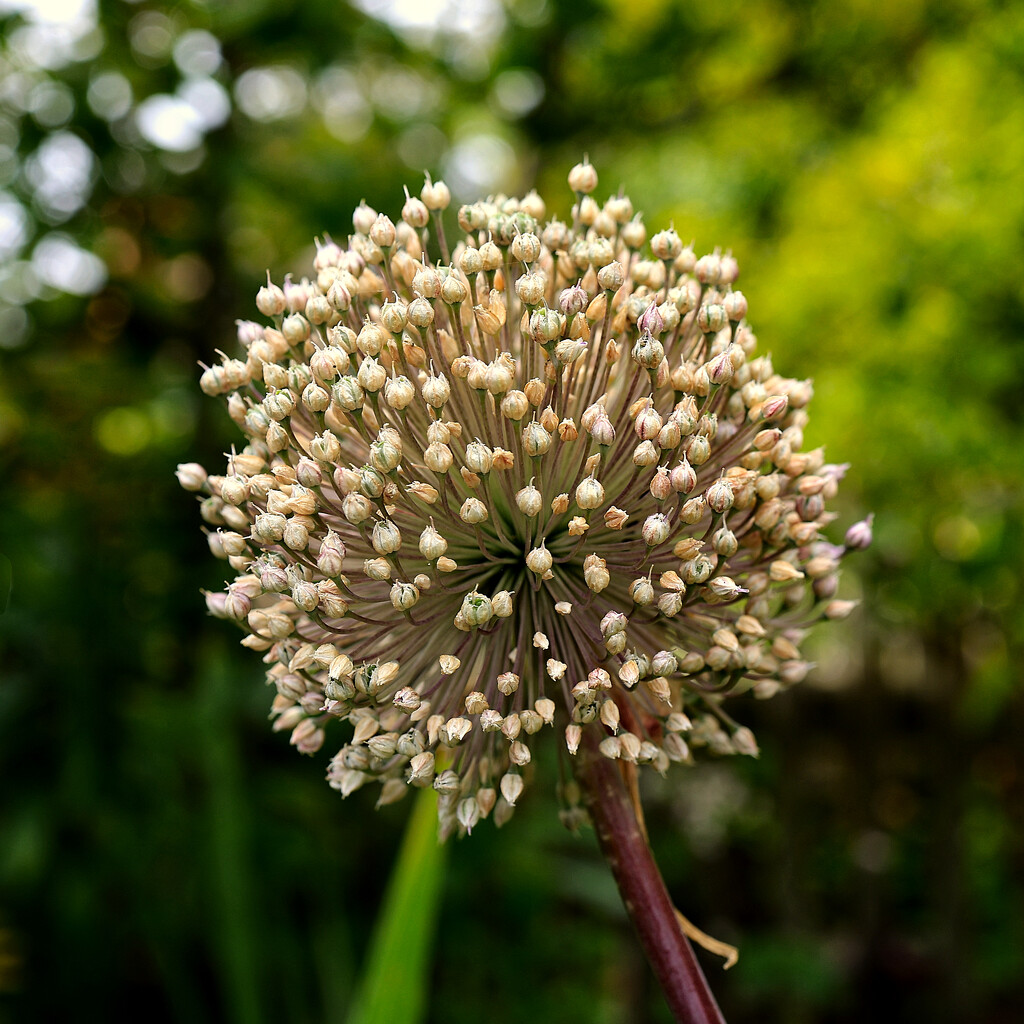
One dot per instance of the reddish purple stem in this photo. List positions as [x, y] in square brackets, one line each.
[642, 889]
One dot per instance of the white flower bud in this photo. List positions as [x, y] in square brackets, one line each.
[382, 232]
[511, 786]
[720, 496]
[468, 813]
[648, 423]
[325, 447]
[386, 451]
[268, 528]
[473, 511]
[371, 375]
[435, 194]
[530, 289]
[453, 289]
[666, 245]
[191, 476]
[331, 557]
[438, 458]
[357, 508]
[573, 735]
[589, 493]
[420, 312]
[656, 529]
[436, 390]
[536, 440]
[404, 596]
[432, 544]
[539, 560]
[477, 609]
[421, 769]
[602, 430]
[377, 569]
[569, 351]
[385, 537]
[316, 398]
[595, 573]
[295, 328]
[583, 178]
[415, 212]
[641, 591]
[519, 754]
[347, 394]
[723, 588]
[508, 683]
[529, 500]
[270, 300]
[525, 247]
[296, 535]
[479, 458]
[399, 392]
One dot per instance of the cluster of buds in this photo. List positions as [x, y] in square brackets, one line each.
[544, 483]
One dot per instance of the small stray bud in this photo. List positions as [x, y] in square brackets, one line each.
[859, 536]
[583, 178]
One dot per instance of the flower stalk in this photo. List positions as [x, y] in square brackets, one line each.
[625, 847]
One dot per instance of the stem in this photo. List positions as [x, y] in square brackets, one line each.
[642, 889]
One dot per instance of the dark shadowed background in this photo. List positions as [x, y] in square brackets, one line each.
[162, 855]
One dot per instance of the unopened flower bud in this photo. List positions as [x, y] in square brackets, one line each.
[666, 245]
[477, 609]
[539, 560]
[270, 300]
[454, 290]
[595, 573]
[583, 178]
[859, 536]
[191, 476]
[382, 232]
[536, 440]
[473, 511]
[331, 556]
[720, 496]
[435, 195]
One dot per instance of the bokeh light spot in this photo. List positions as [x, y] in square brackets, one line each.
[517, 91]
[270, 93]
[109, 95]
[123, 431]
[337, 95]
[186, 278]
[170, 123]
[14, 325]
[480, 164]
[52, 104]
[197, 53]
[60, 172]
[957, 538]
[152, 37]
[63, 265]
[209, 99]
[14, 226]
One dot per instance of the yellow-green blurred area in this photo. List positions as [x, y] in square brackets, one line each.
[164, 856]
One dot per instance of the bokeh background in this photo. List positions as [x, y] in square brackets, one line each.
[161, 853]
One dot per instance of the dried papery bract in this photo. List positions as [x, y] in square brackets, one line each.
[550, 431]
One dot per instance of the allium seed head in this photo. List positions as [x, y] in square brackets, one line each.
[589, 453]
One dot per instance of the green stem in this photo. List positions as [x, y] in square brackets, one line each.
[641, 886]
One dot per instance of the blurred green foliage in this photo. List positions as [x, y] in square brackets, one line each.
[160, 852]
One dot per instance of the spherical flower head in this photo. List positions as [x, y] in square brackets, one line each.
[473, 513]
